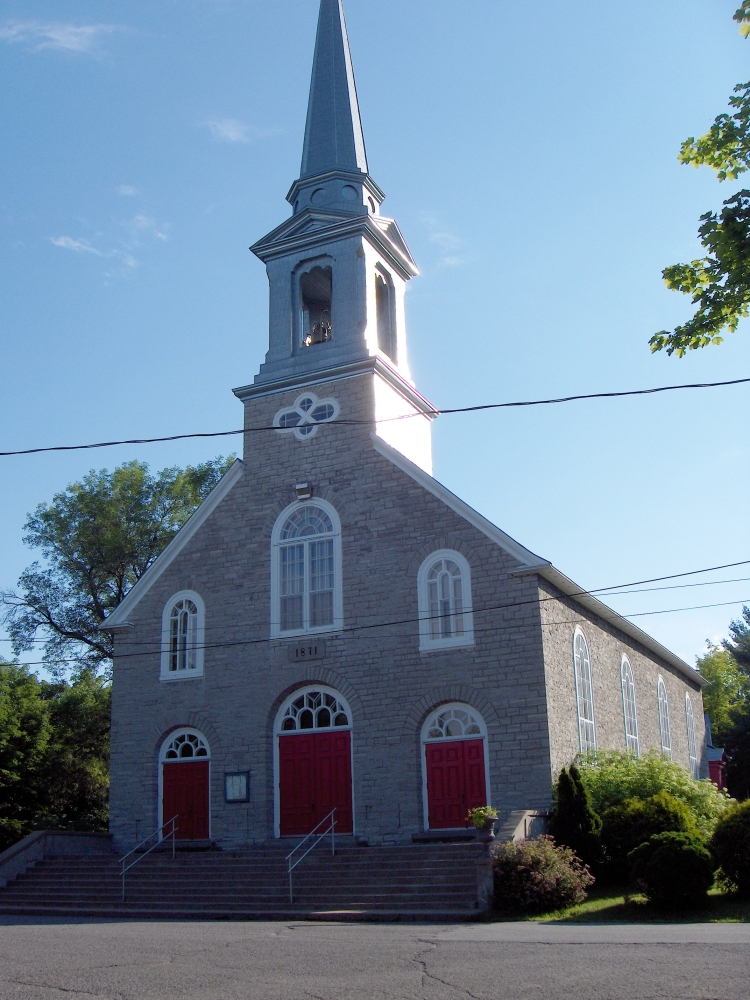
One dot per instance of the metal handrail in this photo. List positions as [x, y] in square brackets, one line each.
[171, 822]
[332, 830]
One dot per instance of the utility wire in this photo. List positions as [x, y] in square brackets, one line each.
[433, 413]
[411, 621]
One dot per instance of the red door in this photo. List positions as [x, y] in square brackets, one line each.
[455, 782]
[185, 788]
[315, 775]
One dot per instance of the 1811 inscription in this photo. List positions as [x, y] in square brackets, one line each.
[307, 651]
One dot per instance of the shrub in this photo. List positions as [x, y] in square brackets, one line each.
[574, 822]
[612, 776]
[673, 869]
[536, 875]
[626, 826]
[731, 846]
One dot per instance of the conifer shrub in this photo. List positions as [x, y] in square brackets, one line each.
[574, 821]
[533, 876]
[730, 845]
[675, 870]
[631, 824]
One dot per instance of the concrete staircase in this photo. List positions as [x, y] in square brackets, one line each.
[421, 882]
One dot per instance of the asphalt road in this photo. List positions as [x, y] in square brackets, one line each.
[52, 960]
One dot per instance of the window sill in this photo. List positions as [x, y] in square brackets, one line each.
[171, 679]
[323, 630]
[442, 644]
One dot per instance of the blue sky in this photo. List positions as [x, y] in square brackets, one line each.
[529, 154]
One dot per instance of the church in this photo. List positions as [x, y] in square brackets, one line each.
[333, 633]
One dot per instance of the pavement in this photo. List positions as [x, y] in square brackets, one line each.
[52, 959]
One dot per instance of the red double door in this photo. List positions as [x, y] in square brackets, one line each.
[455, 782]
[315, 775]
[185, 795]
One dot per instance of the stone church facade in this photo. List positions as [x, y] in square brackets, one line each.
[333, 629]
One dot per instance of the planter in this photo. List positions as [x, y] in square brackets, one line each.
[486, 834]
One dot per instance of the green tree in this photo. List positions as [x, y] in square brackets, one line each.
[574, 822]
[54, 753]
[729, 688]
[719, 283]
[735, 737]
[97, 537]
[24, 738]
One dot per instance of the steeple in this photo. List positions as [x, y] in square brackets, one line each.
[333, 133]
[337, 268]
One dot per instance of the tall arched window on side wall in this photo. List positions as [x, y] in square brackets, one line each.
[306, 594]
[629, 710]
[665, 735]
[692, 742]
[182, 637]
[444, 598]
[385, 304]
[584, 692]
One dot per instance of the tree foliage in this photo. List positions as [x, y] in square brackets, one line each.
[612, 776]
[718, 283]
[97, 538]
[734, 733]
[54, 752]
[727, 695]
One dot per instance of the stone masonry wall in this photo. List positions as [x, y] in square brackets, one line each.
[389, 525]
[607, 644]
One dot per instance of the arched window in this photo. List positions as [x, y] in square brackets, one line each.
[314, 709]
[183, 637]
[385, 304]
[692, 742]
[306, 595]
[664, 733]
[584, 692]
[452, 722]
[629, 710]
[444, 596]
[185, 744]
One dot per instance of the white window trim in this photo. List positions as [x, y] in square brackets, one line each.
[623, 662]
[426, 642]
[692, 737]
[162, 762]
[666, 748]
[424, 741]
[579, 631]
[338, 592]
[277, 732]
[166, 674]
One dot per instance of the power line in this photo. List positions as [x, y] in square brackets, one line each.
[434, 413]
[404, 621]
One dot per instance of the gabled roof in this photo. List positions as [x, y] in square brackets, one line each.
[531, 563]
[119, 617]
[333, 132]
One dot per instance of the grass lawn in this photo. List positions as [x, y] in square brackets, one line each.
[618, 904]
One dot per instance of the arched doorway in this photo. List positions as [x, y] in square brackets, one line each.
[184, 764]
[314, 761]
[454, 766]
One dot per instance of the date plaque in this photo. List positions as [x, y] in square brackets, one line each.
[315, 650]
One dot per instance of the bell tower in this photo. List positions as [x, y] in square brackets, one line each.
[338, 268]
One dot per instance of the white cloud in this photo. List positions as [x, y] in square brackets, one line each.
[445, 240]
[143, 225]
[80, 246]
[232, 130]
[127, 191]
[40, 35]
[228, 130]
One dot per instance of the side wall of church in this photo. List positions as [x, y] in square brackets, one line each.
[389, 524]
[607, 645]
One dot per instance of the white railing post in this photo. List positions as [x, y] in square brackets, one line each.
[173, 835]
[332, 830]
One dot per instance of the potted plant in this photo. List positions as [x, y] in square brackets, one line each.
[483, 818]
